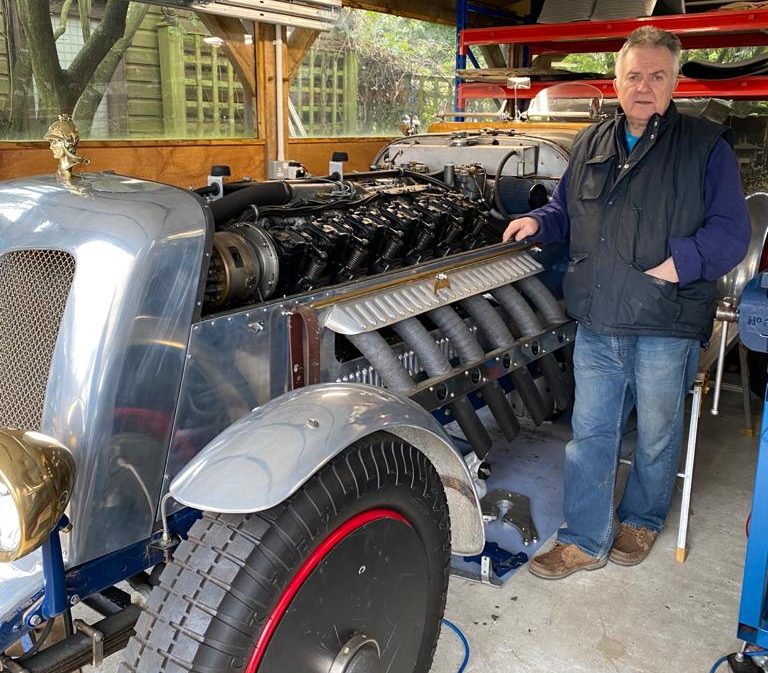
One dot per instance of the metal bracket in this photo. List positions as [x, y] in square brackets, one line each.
[518, 512]
[485, 569]
[485, 577]
[97, 640]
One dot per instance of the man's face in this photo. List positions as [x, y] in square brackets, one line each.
[645, 80]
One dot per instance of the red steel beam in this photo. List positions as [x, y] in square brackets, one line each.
[755, 39]
[684, 26]
[755, 87]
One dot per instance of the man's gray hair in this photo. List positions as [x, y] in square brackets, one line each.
[650, 36]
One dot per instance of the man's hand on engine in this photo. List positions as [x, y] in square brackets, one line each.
[520, 228]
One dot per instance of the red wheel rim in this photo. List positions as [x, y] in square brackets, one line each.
[314, 559]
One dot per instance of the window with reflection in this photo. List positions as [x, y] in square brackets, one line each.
[124, 70]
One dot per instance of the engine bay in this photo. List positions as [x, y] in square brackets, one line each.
[278, 239]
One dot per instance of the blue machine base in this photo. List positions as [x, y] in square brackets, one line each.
[533, 466]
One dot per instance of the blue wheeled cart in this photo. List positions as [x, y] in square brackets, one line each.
[753, 612]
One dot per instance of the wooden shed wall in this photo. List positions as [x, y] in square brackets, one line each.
[5, 48]
[186, 163]
[144, 102]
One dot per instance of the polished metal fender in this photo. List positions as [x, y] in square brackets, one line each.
[266, 456]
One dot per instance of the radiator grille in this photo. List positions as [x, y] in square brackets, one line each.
[34, 285]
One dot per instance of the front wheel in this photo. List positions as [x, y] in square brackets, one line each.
[349, 575]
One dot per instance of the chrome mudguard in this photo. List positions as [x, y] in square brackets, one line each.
[266, 456]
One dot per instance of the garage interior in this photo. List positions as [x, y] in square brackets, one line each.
[244, 116]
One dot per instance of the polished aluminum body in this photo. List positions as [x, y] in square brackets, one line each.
[368, 312]
[138, 249]
[240, 360]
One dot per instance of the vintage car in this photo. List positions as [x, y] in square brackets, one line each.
[234, 399]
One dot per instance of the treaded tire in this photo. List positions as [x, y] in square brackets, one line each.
[214, 598]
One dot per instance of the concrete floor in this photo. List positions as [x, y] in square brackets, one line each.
[658, 617]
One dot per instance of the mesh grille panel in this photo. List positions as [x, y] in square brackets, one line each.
[34, 285]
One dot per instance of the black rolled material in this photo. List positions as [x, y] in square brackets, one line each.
[519, 310]
[543, 300]
[490, 322]
[260, 194]
[412, 332]
[468, 348]
[496, 195]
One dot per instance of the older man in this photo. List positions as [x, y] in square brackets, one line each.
[653, 207]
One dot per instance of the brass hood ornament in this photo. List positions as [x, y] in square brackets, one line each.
[63, 137]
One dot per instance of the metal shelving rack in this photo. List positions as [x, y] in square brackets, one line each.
[727, 28]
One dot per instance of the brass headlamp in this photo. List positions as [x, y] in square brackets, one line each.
[37, 474]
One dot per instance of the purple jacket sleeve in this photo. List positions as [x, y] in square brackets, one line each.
[722, 241]
[554, 223]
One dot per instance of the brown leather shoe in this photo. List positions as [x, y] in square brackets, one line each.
[631, 545]
[563, 560]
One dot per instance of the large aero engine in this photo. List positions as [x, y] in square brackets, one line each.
[403, 266]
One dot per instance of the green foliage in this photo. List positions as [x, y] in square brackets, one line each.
[414, 47]
[595, 62]
[603, 62]
[722, 55]
[401, 66]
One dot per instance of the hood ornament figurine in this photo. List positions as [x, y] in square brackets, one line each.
[63, 137]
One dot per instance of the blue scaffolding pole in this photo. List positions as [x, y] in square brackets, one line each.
[463, 8]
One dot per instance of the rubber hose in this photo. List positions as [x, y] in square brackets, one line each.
[521, 312]
[469, 349]
[260, 194]
[379, 353]
[496, 195]
[488, 320]
[396, 173]
[543, 299]
[422, 177]
[435, 363]
[365, 175]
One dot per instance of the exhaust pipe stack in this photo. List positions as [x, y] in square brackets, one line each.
[493, 331]
[469, 349]
[490, 323]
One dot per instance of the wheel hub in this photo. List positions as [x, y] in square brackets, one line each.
[360, 654]
[374, 581]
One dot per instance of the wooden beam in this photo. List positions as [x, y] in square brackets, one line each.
[233, 33]
[265, 85]
[444, 14]
[185, 163]
[300, 43]
[494, 56]
[440, 11]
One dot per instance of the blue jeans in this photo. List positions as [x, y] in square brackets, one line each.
[614, 374]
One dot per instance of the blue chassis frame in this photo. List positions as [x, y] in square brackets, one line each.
[60, 588]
